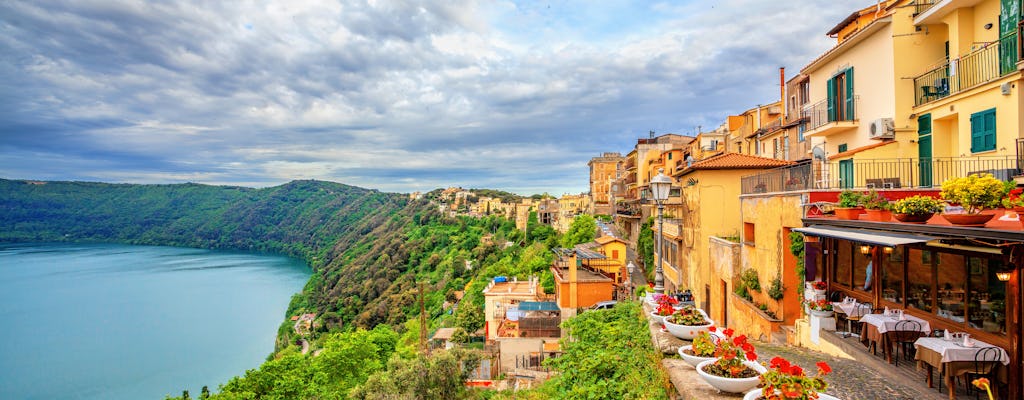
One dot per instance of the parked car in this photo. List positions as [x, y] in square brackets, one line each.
[604, 305]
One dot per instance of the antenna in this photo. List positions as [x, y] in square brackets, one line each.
[651, 133]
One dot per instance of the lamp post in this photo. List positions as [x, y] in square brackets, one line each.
[630, 268]
[660, 186]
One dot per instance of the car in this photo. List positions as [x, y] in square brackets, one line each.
[604, 305]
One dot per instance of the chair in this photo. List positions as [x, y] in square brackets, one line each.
[904, 336]
[891, 183]
[873, 183]
[985, 361]
[854, 318]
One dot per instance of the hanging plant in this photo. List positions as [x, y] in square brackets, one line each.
[796, 247]
[776, 291]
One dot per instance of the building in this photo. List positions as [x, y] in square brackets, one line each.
[641, 164]
[579, 280]
[603, 172]
[501, 299]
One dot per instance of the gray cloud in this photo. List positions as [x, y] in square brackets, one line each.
[394, 95]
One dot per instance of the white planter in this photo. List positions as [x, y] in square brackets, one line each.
[822, 314]
[732, 385]
[687, 332]
[658, 318]
[690, 359]
[754, 394]
[818, 292]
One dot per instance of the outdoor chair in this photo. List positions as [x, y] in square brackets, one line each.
[854, 318]
[985, 361]
[903, 337]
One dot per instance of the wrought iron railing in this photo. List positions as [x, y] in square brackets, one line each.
[881, 173]
[990, 62]
[818, 114]
[921, 6]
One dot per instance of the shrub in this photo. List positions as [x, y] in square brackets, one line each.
[917, 205]
[974, 192]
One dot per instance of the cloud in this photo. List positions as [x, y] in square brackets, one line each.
[393, 95]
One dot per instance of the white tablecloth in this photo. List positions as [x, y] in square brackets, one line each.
[848, 308]
[952, 351]
[885, 324]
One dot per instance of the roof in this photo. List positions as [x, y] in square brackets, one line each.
[608, 239]
[538, 306]
[842, 24]
[735, 161]
[584, 253]
[850, 41]
[443, 334]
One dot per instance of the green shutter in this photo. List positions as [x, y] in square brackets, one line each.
[1009, 11]
[849, 115]
[983, 131]
[832, 99]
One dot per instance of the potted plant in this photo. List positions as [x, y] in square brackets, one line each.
[735, 369]
[702, 349]
[1014, 201]
[820, 308]
[792, 182]
[916, 209]
[849, 205]
[974, 193]
[785, 381]
[687, 322]
[819, 287]
[876, 207]
[665, 306]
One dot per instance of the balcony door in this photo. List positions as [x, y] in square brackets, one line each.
[1008, 16]
[840, 96]
[924, 149]
[846, 174]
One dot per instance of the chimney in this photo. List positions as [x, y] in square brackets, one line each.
[782, 90]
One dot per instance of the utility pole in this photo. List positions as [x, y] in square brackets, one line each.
[423, 324]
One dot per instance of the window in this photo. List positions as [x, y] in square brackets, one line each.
[843, 148]
[840, 96]
[986, 299]
[748, 233]
[669, 156]
[615, 254]
[800, 132]
[805, 92]
[844, 258]
[920, 273]
[862, 265]
[983, 131]
[892, 275]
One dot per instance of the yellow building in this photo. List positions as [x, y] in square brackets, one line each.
[603, 172]
[745, 128]
[688, 228]
[641, 164]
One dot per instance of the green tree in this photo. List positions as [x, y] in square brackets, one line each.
[469, 317]
[582, 230]
[440, 376]
[645, 245]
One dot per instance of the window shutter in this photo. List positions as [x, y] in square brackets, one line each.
[976, 127]
[989, 138]
[850, 113]
[832, 99]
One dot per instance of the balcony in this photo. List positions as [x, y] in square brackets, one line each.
[921, 6]
[932, 11]
[879, 173]
[986, 64]
[823, 120]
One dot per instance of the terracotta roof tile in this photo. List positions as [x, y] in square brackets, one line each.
[736, 161]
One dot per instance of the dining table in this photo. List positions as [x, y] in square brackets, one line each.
[850, 308]
[879, 329]
[953, 358]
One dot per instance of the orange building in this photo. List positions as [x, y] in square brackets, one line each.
[603, 170]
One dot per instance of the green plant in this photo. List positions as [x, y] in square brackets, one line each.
[917, 205]
[741, 290]
[874, 201]
[819, 305]
[849, 199]
[641, 291]
[1013, 198]
[974, 192]
[703, 345]
[731, 352]
[785, 381]
[796, 248]
[750, 279]
[775, 290]
[762, 306]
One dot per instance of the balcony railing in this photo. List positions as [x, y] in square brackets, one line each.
[990, 62]
[879, 173]
[921, 6]
[818, 114]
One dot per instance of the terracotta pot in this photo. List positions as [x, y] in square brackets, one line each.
[878, 215]
[848, 213]
[913, 218]
[968, 219]
[1020, 214]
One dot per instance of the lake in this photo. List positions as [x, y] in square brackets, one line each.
[111, 321]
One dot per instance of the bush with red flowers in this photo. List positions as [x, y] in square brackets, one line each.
[785, 381]
[665, 304]
[731, 352]
[819, 285]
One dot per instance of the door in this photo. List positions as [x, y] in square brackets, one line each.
[1008, 16]
[924, 149]
[846, 174]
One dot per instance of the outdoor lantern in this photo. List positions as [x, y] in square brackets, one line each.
[865, 249]
[660, 186]
[888, 250]
[630, 267]
[1004, 273]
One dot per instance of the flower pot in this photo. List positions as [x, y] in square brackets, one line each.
[731, 385]
[658, 318]
[687, 332]
[819, 292]
[692, 359]
[913, 218]
[848, 213]
[968, 219]
[877, 215]
[756, 394]
[821, 313]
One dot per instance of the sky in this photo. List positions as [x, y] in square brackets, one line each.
[393, 95]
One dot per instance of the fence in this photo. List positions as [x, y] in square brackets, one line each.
[991, 61]
[880, 173]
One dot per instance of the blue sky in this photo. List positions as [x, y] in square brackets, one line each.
[391, 95]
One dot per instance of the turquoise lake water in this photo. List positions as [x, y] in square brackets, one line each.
[110, 321]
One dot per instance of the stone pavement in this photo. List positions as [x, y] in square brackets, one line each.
[849, 380]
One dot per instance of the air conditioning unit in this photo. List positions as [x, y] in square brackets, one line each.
[882, 128]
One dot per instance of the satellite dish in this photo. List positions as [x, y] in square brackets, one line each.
[689, 160]
[818, 153]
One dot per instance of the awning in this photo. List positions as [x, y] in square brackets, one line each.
[880, 238]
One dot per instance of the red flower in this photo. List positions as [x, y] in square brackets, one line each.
[727, 332]
[711, 328]
[752, 356]
[747, 347]
[779, 362]
[823, 368]
[729, 355]
[796, 370]
[739, 340]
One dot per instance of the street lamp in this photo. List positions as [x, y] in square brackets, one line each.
[660, 186]
[630, 268]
